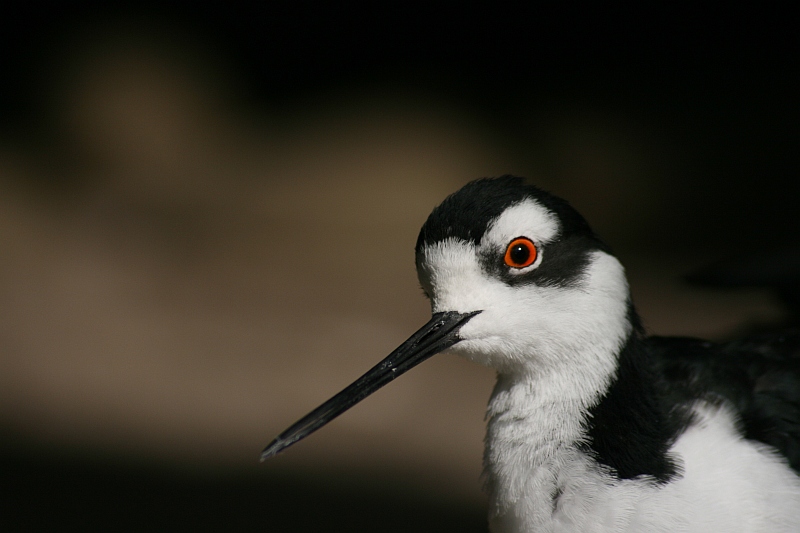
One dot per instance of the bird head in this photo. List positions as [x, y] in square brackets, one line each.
[543, 283]
[517, 281]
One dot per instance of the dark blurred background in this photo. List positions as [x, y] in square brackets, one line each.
[208, 213]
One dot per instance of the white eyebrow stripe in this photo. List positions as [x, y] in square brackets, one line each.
[527, 218]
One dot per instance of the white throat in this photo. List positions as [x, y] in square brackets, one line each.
[531, 437]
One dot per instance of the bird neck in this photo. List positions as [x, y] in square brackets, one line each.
[532, 435]
[632, 427]
[540, 424]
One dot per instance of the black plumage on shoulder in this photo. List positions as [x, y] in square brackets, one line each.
[659, 379]
[759, 377]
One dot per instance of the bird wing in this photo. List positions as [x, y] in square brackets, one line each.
[758, 376]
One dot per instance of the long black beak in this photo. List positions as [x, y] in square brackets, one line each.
[440, 333]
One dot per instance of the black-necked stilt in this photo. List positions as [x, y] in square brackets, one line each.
[592, 425]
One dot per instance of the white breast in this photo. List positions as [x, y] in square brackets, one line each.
[727, 485]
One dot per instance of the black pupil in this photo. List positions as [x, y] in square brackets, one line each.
[520, 254]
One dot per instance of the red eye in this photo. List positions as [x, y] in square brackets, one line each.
[521, 252]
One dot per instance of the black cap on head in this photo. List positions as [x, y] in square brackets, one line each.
[467, 213]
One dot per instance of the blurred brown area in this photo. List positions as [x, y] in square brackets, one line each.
[194, 256]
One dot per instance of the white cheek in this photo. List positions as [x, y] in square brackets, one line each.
[502, 332]
[501, 335]
[519, 327]
[527, 324]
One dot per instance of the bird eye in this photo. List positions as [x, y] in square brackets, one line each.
[520, 253]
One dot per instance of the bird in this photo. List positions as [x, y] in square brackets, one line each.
[592, 426]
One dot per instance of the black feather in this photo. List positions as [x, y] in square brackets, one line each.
[759, 377]
[631, 429]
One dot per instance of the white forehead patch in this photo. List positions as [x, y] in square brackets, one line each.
[527, 218]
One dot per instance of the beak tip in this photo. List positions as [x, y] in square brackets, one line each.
[272, 449]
